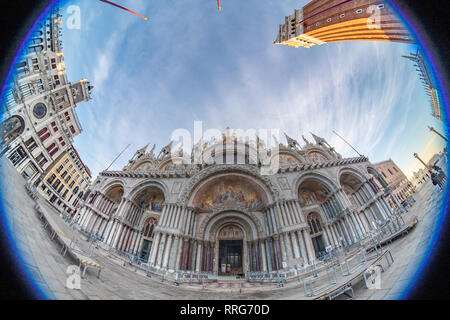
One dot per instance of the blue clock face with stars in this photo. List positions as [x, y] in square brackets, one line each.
[39, 110]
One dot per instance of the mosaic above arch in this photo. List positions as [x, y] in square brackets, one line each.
[150, 198]
[287, 160]
[115, 194]
[314, 193]
[316, 157]
[230, 191]
[144, 167]
[171, 165]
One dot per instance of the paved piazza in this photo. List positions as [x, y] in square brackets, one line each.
[48, 266]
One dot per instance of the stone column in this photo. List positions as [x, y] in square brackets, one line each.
[163, 218]
[279, 214]
[167, 252]
[295, 245]
[325, 235]
[269, 256]
[120, 237]
[288, 247]
[263, 255]
[154, 249]
[278, 252]
[162, 243]
[137, 243]
[302, 246]
[250, 256]
[309, 247]
[178, 215]
[199, 257]
[283, 248]
[299, 210]
[267, 223]
[183, 254]
[173, 253]
[211, 257]
[189, 258]
[123, 239]
[117, 235]
[178, 253]
[290, 212]
[274, 220]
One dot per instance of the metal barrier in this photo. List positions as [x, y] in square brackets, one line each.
[310, 290]
[361, 260]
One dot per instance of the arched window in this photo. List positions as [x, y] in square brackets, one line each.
[149, 227]
[314, 223]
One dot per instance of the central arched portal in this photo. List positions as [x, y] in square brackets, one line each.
[231, 250]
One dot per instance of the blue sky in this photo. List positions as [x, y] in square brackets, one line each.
[190, 62]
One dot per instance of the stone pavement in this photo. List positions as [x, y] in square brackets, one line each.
[44, 261]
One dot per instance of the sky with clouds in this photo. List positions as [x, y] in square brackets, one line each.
[189, 63]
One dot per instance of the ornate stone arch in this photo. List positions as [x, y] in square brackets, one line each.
[146, 184]
[324, 153]
[174, 160]
[371, 170]
[326, 181]
[352, 171]
[288, 152]
[118, 182]
[142, 162]
[215, 222]
[271, 190]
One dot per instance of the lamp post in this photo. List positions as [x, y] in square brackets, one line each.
[418, 158]
[440, 135]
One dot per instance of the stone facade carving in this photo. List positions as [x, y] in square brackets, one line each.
[343, 201]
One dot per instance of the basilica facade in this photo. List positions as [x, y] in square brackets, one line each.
[215, 210]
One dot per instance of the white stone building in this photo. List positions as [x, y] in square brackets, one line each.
[37, 110]
[215, 211]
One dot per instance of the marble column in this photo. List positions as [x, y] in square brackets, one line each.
[288, 247]
[117, 235]
[282, 243]
[154, 249]
[279, 214]
[295, 245]
[167, 251]
[199, 257]
[302, 246]
[162, 244]
[174, 252]
[263, 255]
[309, 247]
[269, 256]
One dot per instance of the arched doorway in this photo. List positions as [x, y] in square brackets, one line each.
[231, 250]
[147, 235]
[316, 230]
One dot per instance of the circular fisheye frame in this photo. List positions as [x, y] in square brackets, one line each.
[291, 150]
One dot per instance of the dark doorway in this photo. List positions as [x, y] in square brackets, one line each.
[230, 257]
[145, 252]
[318, 245]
